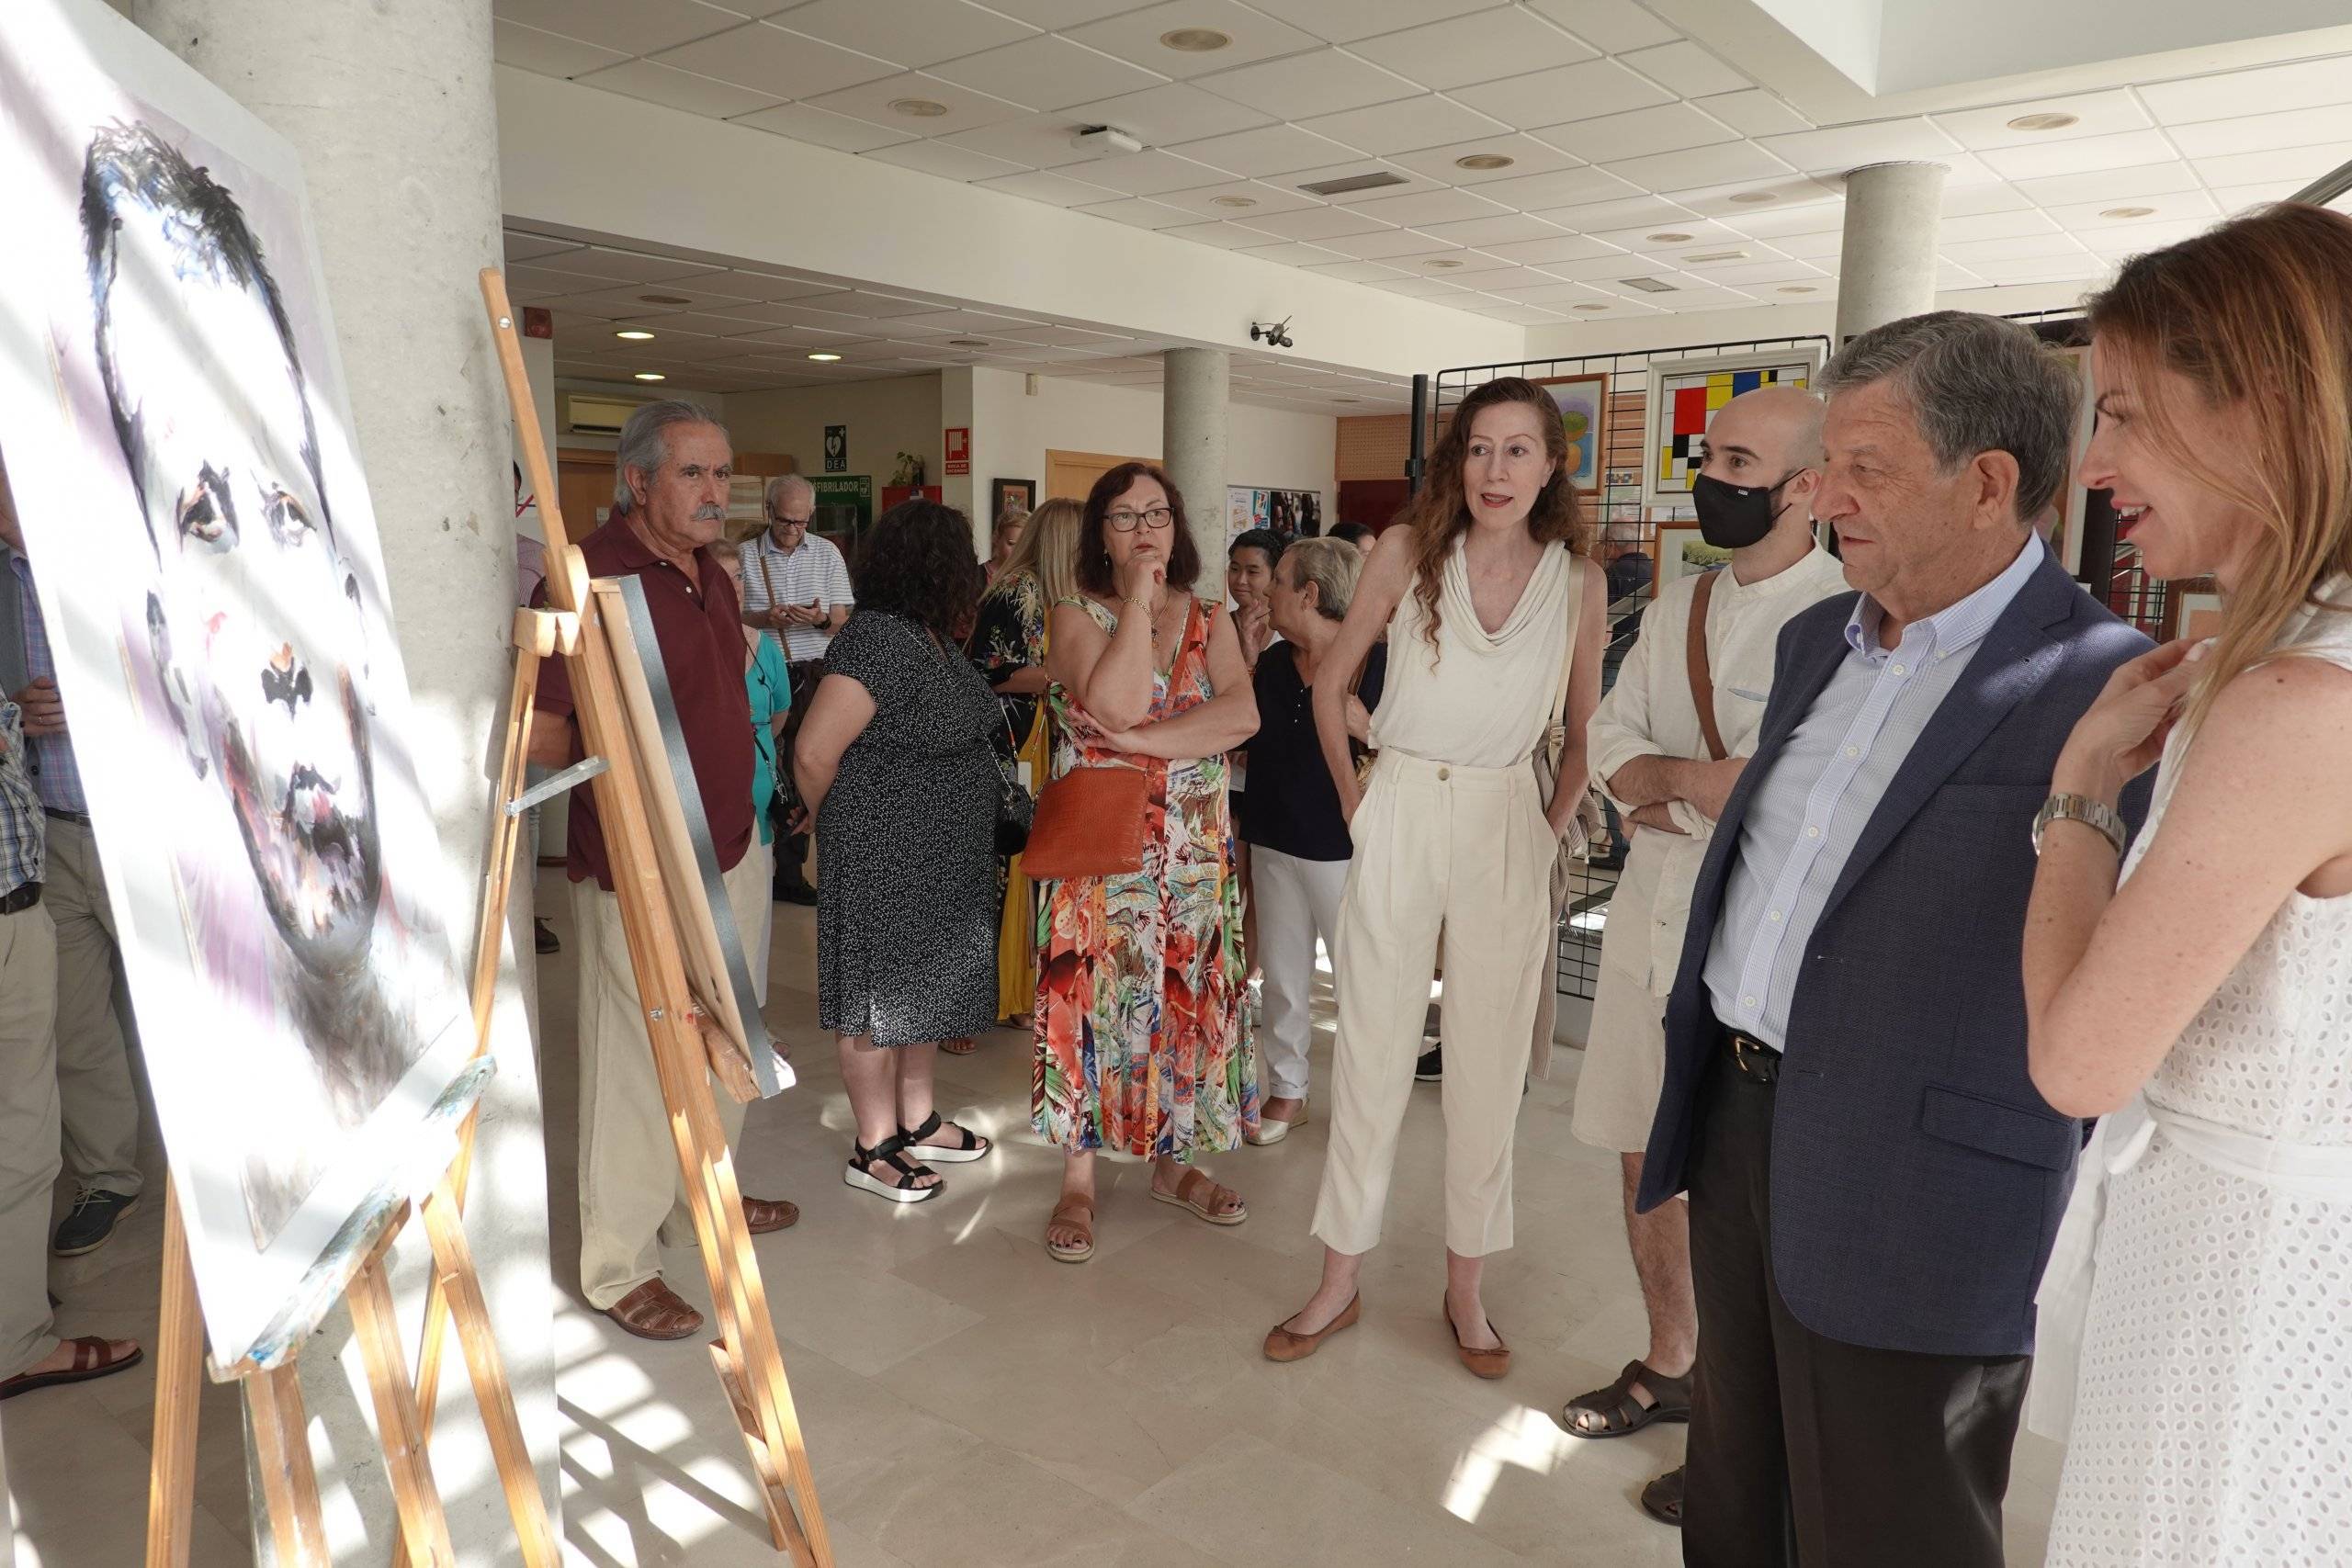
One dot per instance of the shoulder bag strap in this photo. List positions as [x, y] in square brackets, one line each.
[1557, 736]
[1702, 678]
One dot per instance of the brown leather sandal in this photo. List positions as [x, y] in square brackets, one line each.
[654, 1311]
[1066, 1215]
[763, 1217]
[1188, 1195]
[1621, 1413]
[93, 1358]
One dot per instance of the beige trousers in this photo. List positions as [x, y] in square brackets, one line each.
[97, 1098]
[1466, 852]
[632, 1195]
[28, 1133]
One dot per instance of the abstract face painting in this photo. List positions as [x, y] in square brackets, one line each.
[172, 418]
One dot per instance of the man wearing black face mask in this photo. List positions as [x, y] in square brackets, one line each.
[1669, 764]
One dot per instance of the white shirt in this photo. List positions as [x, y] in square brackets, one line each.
[1648, 714]
[774, 577]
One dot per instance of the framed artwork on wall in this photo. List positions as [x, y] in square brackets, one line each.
[1005, 494]
[2198, 612]
[1684, 396]
[1584, 411]
[1681, 550]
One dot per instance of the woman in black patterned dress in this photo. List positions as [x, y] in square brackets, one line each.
[896, 762]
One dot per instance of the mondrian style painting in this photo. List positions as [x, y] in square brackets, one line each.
[1685, 395]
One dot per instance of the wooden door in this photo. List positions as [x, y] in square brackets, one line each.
[584, 488]
[1072, 474]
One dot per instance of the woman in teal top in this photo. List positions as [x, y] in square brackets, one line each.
[770, 692]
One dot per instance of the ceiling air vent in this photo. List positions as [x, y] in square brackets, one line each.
[1354, 182]
[1716, 256]
[1648, 284]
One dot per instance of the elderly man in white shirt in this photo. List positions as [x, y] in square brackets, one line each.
[796, 587]
[1670, 773]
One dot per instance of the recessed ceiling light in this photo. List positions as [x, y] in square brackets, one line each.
[1485, 160]
[2128, 212]
[636, 335]
[1442, 262]
[1754, 198]
[824, 358]
[919, 108]
[1588, 306]
[2044, 121]
[967, 342]
[1233, 201]
[1195, 40]
[651, 376]
[666, 299]
[1796, 288]
[1668, 238]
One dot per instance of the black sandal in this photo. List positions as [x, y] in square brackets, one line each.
[1662, 1498]
[890, 1152]
[1621, 1414]
[971, 1145]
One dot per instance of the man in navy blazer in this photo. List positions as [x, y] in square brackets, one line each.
[1873, 1181]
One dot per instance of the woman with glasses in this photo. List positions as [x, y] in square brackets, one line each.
[1142, 1043]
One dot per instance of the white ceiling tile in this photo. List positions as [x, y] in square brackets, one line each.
[1138, 213]
[1036, 142]
[2135, 239]
[1053, 190]
[823, 128]
[1613, 26]
[1134, 35]
[2264, 132]
[1487, 232]
[2304, 163]
[948, 161]
[976, 324]
[1696, 236]
[863, 302]
[1667, 128]
[1047, 72]
[1518, 315]
[1223, 236]
[1594, 88]
[1969, 252]
[2234, 199]
[1686, 70]
[1544, 252]
[1304, 86]
[2087, 219]
[1967, 201]
[1590, 217]
[1507, 42]
[1811, 247]
[629, 299]
[1406, 126]
[2306, 84]
[1735, 202]
[1515, 283]
[1153, 173]
[1771, 222]
[1316, 223]
[1454, 263]
[522, 246]
[1293, 253]
[1748, 274]
[773, 61]
[1074, 337]
[2044, 269]
[1171, 113]
[2095, 114]
[1756, 112]
[1384, 245]
[1421, 288]
[1527, 155]
[631, 27]
[530, 284]
[1249, 200]
[1727, 163]
[771, 287]
[676, 89]
[1995, 226]
[637, 266]
[967, 109]
[1853, 146]
[1431, 207]
[1406, 180]
[549, 55]
[1551, 291]
[1342, 21]
[2110, 185]
[1269, 150]
[914, 33]
[2123, 151]
[1561, 187]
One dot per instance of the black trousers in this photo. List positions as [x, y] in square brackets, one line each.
[1803, 1449]
[792, 849]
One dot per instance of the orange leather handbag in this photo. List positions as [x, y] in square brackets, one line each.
[1089, 823]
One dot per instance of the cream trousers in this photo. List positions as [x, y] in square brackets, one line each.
[632, 1196]
[1465, 851]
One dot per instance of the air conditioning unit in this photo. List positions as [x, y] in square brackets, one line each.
[588, 415]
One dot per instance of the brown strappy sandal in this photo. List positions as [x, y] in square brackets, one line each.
[1621, 1414]
[1066, 1215]
[1188, 1195]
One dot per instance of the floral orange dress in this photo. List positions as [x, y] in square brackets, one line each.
[1143, 1043]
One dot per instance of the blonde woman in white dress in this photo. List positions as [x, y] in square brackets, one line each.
[2197, 1314]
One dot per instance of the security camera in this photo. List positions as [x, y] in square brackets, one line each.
[1274, 335]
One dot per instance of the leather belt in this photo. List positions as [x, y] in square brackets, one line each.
[1756, 1061]
[22, 897]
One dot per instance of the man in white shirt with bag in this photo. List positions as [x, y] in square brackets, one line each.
[1667, 744]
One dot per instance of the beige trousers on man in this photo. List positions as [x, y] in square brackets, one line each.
[1466, 852]
[97, 1098]
[27, 1134]
[632, 1195]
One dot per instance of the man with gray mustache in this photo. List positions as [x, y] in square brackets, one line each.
[669, 505]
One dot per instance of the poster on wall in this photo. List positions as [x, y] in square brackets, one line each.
[836, 449]
[1292, 513]
[1583, 403]
[1684, 396]
[173, 416]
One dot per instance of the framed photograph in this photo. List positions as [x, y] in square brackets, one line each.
[1684, 396]
[2197, 610]
[1008, 494]
[1682, 550]
[1584, 411]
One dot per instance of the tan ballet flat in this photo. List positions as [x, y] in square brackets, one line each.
[1488, 1364]
[1287, 1345]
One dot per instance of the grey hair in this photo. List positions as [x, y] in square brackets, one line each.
[1333, 566]
[1975, 384]
[645, 443]
[779, 485]
[725, 549]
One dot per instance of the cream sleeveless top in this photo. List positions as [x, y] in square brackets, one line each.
[1488, 701]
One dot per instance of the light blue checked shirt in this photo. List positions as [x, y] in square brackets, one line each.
[23, 842]
[49, 757]
[1810, 811]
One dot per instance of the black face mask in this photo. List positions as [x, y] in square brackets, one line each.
[1731, 518]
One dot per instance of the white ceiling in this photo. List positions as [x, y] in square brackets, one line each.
[1619, 131]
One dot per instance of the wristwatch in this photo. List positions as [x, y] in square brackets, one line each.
[2081, 809]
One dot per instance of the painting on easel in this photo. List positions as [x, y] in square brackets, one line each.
[172, 418]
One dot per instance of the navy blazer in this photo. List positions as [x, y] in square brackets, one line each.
[1918, 1176]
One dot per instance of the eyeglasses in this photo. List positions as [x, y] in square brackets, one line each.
[1128, 522]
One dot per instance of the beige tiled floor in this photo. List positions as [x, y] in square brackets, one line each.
[966, 1398]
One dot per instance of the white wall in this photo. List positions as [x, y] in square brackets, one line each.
[884, 418]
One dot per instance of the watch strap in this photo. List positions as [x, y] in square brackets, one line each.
[2098, 814]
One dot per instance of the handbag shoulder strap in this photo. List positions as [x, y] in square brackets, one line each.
[1702, 678]
[1568, 660]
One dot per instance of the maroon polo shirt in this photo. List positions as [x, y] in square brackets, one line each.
[700, 626]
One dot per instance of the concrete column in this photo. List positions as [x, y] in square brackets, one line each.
[1191, 447]
[390, 106]
[1886, 267]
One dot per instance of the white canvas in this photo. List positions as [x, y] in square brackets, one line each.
[173, 419]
